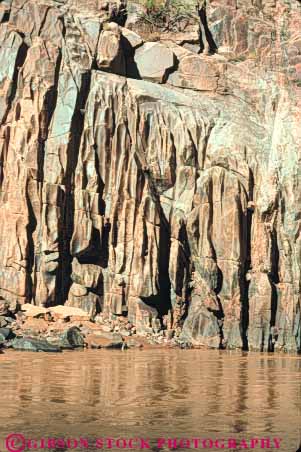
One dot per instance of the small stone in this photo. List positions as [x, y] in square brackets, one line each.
[169, 334]
[3, 321]
[4, 307]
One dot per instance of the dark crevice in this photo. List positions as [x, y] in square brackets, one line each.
[161, 301]
[66, 225]
[171, 70]
[132, 70]
[195, 151]
[184, 275]
[244, 283]
[61, 19]
[30, 252]
[274, 279]
[91, 254]
[43, 21]
[46, 117]
[218, 313]
[105, 244]
[20, 60]
[5, 17]
[119, 15]
[204, 30]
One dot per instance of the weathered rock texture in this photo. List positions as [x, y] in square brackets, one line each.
[176, 197]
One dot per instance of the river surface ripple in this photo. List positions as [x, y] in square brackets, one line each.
[151, 394]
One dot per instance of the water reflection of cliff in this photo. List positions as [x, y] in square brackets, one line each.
[149, 394]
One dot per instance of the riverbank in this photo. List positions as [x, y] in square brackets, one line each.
[54, 329]
[60, 328]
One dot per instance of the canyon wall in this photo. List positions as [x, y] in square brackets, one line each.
[153, 171]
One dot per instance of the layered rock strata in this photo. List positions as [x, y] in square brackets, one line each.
[143, 177]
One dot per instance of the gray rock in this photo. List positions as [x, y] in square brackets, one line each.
[72, 338]
[6, 333]
[34, 345]
[133, 38]
[9, 320]
[153, 61]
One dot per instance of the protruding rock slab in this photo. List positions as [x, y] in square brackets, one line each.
[31, 310]
[63, 312]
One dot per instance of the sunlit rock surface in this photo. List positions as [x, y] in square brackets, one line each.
[158, 181]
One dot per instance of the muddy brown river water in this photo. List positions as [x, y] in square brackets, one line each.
[152, 395]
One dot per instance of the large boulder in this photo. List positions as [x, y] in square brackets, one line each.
[105, 340]
[89, 302]
[196, 72]
[69, 339]
[154, 61]
[73, 337]
[110, 55]
[34, 345]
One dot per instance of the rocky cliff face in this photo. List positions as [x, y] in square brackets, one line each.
[153, 171]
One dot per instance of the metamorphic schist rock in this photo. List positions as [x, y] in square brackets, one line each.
[153, 171]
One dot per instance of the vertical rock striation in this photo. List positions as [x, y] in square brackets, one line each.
[154, 179]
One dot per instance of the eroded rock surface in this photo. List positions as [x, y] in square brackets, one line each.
[150, 179]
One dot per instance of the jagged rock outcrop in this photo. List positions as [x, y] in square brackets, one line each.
[148, 174]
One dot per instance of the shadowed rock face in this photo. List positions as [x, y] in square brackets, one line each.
[178, 197]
